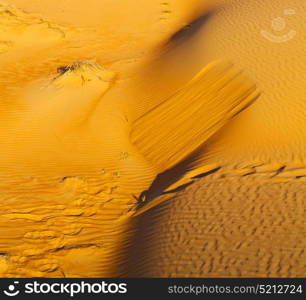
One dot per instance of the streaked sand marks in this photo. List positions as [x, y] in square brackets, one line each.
[204, 106]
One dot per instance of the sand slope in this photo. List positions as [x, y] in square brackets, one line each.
[244, 212]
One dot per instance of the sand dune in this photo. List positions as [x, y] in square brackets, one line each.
[165, 140]
[243, 213]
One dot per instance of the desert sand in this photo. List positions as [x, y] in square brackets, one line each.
[159, 140]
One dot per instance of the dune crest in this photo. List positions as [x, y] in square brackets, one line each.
[20, 29]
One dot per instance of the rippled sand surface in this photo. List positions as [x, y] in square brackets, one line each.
[158, 140]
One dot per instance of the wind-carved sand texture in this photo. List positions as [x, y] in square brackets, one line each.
[158, 140]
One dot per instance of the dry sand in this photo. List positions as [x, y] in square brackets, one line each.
[158, 140]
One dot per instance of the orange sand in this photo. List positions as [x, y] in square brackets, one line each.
[158, 140]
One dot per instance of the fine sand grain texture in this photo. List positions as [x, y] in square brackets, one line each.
[165, 139]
